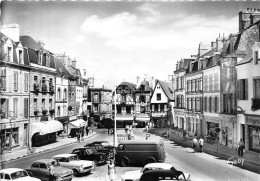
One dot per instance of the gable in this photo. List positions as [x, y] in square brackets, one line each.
[158, 89]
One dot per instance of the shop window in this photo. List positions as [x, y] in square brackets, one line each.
[254, 138]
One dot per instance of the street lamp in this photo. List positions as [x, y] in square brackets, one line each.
[115, 132]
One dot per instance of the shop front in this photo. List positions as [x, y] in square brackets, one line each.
[228, 127]
[193, 124]
[179, 120]
[123, 120]
[253, 132]
[141, 120]
[212, 124]
[43, 133]
[75, 127]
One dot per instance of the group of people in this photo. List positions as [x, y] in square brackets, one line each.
[80, 133]
[197, 145]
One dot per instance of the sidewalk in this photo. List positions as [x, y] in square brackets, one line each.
[250, 161]
[61, 141]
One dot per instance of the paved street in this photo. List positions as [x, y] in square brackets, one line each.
[201, 166]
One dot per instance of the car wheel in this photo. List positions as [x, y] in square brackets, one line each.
[150, 160]
[124, 162]
[76, 172]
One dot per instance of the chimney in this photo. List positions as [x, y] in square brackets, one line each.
[74, 63]
[41, 43]
[245, 19]
[213, 45]
[219, 42]
[12, 31]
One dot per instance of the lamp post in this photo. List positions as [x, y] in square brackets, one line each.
[115, 132]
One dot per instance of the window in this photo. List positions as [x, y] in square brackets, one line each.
[210, 104]
[59, 94]
[40, 58]
[142, 98]
[58, 111]
[95, 97]
[242, 89]
[50, 103]
[15, 81]
[256, 57]
[205, 104]
[35, 79]
[35, 103]
[193, 85]
[43, 104]
[198, 99]
[205, 83]
[26, 107]
[182, 82]
[5, 108]
[211, 83]
[216, 82]
[216, 104]
[65, 94]
[3, 79]
[26, 82]
[200, 84]
[9, 53]
[47, 60]
[257, 88]
[20, 56]
[158, 96]
[15, 108]
[177, 83]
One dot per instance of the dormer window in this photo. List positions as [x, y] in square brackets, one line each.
[47, 56]
[39, 57]
[256, 57]
[20, 56]
[9, 53]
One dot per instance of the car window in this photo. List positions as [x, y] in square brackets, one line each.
[7, 177]
[74, 157]
[61, 159]
[76, 152]
[121, 147]
[35, 165]
[43, 166]
[1, 175]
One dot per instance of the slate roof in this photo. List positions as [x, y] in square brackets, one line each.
[33, 48]
[130, 85]
[248, 58]
[167, 88]
[147, 88]
[60, 68]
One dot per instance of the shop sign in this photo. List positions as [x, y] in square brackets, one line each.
[253, 120]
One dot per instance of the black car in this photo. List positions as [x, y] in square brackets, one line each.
[88, 153]
[157, 175]
[104, 144]
[99, 148]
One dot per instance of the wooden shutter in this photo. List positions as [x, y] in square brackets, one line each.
[238, 89]
[246, 89]
[7, 108]
[217, 104]
[26, 107]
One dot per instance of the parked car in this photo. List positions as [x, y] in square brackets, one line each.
[99, 148]
[105, 144]
[140, 152]
[136, 174]
[40, 170]
[16, 174]
[162, 175]
[71, 161]
[88, 153]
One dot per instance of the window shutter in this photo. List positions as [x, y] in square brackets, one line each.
[26, 107]
[213, 104]
[246, 89]
[7, 108]
[201, 103]
[238, 89]
[217, 104]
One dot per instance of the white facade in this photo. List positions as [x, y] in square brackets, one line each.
[61, 103]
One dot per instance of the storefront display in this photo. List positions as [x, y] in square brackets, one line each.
[254, 138]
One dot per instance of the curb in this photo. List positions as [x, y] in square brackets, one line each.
[39, 152]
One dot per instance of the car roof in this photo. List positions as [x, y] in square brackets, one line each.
[10, 170]
[158, 165]
[64, 155]
[131, 142]
[83, 148]
[100, 142]
[162, 173]
[44, 160]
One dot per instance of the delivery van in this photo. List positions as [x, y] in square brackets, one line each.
[139, 152]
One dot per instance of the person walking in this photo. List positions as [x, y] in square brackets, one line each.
[51, 171]
[78, 136]
[87, 130]
[184, 133]
[201, 142]
[194, 144]
[240, 148]
[111, 170]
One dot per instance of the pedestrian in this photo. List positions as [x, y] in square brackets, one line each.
[51, 171]
[184, 133]
[87, 130]
[111, 170]
[82, 134]
[194, 144]
[78, 136]
[201, 142]
[240, 148]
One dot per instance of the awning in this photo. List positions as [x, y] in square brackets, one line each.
[78, 123]
[46, 127]
[121, 118]
[142, 118]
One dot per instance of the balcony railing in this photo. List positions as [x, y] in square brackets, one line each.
[255, 104]
[36, 87]
[44, 88]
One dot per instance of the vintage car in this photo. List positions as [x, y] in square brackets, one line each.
[88, 153]
[16, 174]
[136, 174]
[105, 144]
[162, 175]
[100, 148]
[40, 169]
[71, 161]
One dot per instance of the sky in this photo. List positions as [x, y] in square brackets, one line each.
[118, 41]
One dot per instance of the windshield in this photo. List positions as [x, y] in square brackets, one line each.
[74, 157]
[90, 151]
[19, 174]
